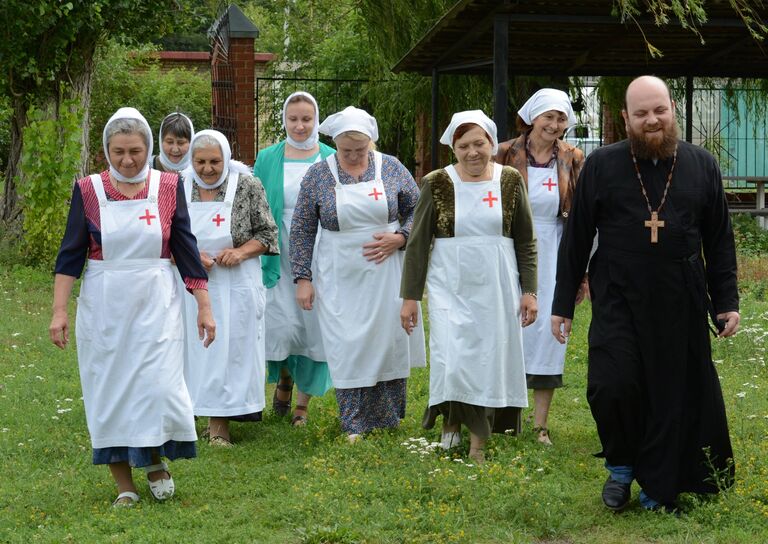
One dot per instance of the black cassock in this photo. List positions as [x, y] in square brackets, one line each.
[652, 386]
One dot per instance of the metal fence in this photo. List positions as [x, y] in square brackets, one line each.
[732, 125]
[331, 94]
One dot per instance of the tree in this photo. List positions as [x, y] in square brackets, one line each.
[47, 49]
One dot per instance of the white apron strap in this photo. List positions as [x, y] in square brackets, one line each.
[377, 165]
[188, 190]
[232, 180]
[98, 187]
[453, 174]
[154, 185]
[497, 172]
[333, 166]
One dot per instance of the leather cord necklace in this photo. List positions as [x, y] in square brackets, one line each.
[653, 223]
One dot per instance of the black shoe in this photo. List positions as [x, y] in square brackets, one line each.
[616, 495]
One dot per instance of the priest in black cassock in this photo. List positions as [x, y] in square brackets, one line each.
[664, 265]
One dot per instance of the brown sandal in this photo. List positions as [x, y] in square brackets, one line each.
[282, 407]
[542, 435]
[299, 421]
[220, 442]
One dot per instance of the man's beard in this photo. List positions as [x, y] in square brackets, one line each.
[657, 149]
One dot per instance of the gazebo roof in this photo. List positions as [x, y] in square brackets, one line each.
[583, 37]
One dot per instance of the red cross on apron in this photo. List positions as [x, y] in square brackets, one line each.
[147, 217]
[218, 220]
[490, 198]
[549, 185]
[375, 194]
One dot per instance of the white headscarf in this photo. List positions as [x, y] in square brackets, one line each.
[476, 117]
[348, 119]
[128, 113]
[167, 163]
[311, 141]
[545, 100]
[226, 153]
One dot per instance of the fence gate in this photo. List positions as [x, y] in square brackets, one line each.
[223, 107]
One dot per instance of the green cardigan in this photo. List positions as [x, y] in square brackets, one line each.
[269, 169]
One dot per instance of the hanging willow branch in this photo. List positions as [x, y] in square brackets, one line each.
[691, 14]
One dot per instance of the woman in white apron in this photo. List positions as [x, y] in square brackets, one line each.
[233, 225]
[128, 222]
[294, 345]
[356, 197]
[550, 168]
[176, 131]
[481, 281]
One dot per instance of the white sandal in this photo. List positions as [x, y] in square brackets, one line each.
[450, 440]
[161, 489]
[125, 495]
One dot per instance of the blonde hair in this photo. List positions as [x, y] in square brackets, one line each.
[356, 136]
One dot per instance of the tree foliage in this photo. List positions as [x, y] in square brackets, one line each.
[691, 14]
[130, 76]
[47, 49]
[48, 175]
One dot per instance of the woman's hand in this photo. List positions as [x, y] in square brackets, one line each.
[236, 255]
[384, 245]
[208, 262]
[529, 308]
[59, 328]
[232, 256]
[409, 315]
[206, 326]
[305, 294]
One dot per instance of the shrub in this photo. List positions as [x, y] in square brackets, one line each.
[50, 162]
[751, 240]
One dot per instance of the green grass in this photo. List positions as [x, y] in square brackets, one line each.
[287, 485]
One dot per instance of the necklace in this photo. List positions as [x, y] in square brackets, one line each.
[532, 159]
[654, 224]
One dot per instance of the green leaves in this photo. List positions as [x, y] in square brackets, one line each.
[50, 162]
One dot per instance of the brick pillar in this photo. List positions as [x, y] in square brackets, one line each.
[242, 62]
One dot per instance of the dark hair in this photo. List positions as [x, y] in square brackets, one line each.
[463, 128]
[177, 125]
[521, 126]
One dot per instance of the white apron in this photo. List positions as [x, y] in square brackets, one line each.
[357, 300]
[130, 333]
[543, 354]
[476, 352]
[227, 378]
[290, 330]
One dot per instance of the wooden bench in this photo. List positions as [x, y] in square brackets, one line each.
[758, 209]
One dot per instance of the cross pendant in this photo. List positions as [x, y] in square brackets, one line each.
[654, 224]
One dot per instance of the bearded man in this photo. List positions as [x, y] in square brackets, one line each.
[665, 263]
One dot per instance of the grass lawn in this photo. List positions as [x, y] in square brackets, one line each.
[287, 485]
